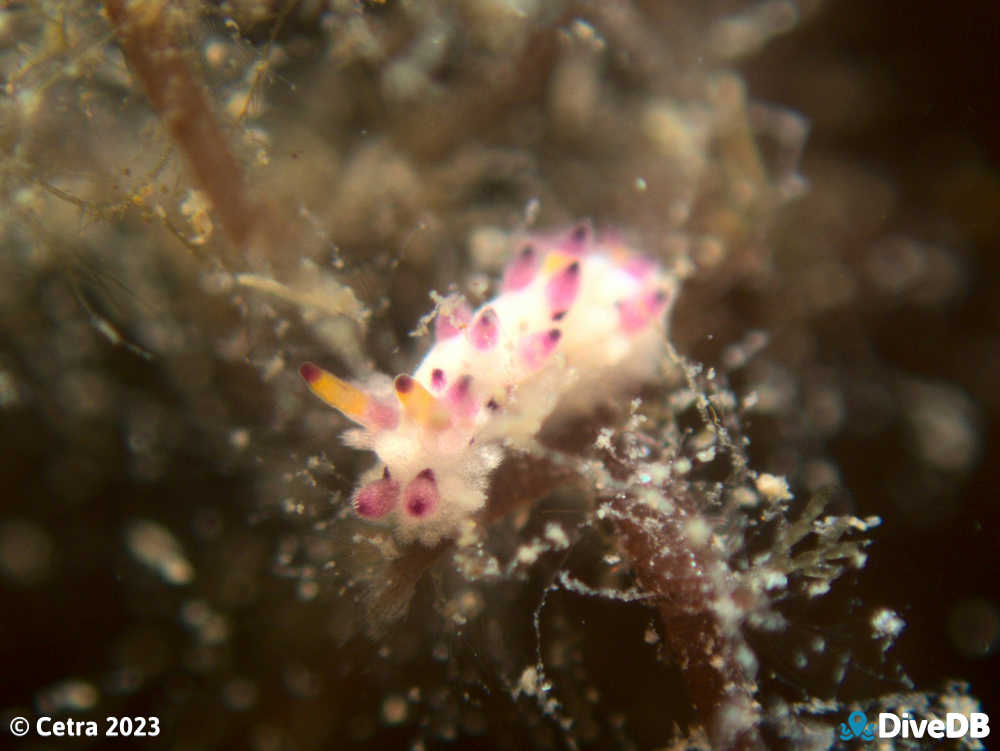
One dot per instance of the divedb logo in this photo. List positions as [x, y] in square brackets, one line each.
[890, 725]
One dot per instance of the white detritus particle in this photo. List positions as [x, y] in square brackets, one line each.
[528, 684]
[210, 626]
[394, 710]
[153, 545]
[489, 247]
[239, 439]
[818, 588]
[468, 533]
[529, 553]
[655, 500]
[556, 535]
[773, 488]
[70, 695]
[308, 590]
[746, 658]
[728, 611]
[887, 624]
[773, 580]
[657, 472]
[698, 531]
[603, 440]
[744, 496]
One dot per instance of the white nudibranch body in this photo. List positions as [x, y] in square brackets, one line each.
[581, 318]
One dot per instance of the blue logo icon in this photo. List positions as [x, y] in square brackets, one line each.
[857, 726]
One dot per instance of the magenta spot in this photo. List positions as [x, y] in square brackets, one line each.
[523, 269]
[577, 242]
[403, 383]
[447, 325]
[563, 287]
[421, 496]
[656, 302]
[376, 499]
[535, 349]
[310, 372]
[419, 505]
[438, 380]
[485, 331]
[460, 398]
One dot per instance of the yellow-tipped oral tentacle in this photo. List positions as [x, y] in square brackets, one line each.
[339, 394]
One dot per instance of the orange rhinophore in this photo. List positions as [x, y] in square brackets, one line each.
[419, 404]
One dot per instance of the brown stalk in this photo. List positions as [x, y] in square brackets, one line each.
[688, 578]
[147, 32]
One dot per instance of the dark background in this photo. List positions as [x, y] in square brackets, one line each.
[923, 112]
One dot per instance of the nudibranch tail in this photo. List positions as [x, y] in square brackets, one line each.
[636, 313]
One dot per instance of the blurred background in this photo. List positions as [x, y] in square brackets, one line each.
[174, 538]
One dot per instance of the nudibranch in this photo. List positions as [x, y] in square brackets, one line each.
[581, 318]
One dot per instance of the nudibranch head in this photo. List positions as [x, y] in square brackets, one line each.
[580, 318]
